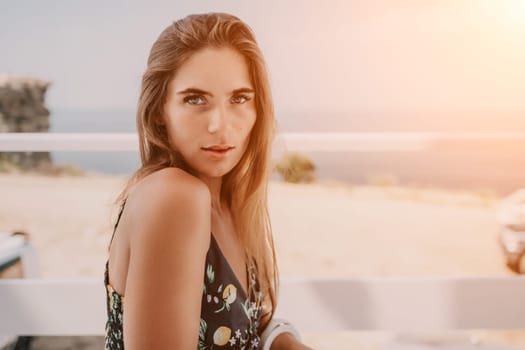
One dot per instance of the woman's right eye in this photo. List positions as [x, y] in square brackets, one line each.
[195, 100]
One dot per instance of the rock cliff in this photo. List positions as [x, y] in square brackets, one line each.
[22, 109]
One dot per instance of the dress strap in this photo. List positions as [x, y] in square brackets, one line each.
[118, 219]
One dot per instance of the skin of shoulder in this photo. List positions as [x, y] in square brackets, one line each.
[169, 238]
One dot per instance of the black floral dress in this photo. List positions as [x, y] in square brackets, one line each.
[230, 316]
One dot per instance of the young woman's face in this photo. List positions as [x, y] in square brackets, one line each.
[210, 110]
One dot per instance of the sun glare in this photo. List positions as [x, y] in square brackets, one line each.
[510, 13]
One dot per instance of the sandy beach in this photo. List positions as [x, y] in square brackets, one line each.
[366, 231]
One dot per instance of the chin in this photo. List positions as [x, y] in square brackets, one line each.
[217, 171]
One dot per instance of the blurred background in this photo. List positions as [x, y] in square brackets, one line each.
[448, 67]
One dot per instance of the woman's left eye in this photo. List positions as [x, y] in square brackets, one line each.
[240, 99]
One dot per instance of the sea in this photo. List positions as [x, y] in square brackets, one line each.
[493, 166]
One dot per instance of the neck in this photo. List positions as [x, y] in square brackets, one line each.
[214, 185]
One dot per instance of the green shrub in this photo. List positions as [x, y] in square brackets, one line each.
[296, 168]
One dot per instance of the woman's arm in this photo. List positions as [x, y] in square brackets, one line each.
[286, 341]
[169, 238]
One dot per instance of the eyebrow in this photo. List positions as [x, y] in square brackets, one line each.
[245, 90]
[202, 92]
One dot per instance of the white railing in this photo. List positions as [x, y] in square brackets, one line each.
[33, 306]
[325, 142]
[78, 307]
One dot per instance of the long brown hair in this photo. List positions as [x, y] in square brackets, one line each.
[245, 187]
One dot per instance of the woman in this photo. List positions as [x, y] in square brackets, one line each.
[192, 256]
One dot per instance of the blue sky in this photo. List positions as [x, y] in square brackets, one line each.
[324, 56]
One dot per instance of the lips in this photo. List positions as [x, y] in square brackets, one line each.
[217, 148]
[217, 151]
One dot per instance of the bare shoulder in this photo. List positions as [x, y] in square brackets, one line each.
[163, 184]
[169, 202]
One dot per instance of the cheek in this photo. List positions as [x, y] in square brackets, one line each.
[247, 122]
[244, 131]
[181, 127]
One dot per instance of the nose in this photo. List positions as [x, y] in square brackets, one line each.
[217, 120]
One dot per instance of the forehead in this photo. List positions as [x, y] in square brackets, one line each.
[213, 69]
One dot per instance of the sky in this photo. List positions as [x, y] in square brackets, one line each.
[331, 56]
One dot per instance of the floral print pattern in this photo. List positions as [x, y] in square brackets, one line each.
[230, 316]
[235, 314]
[114, 339]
